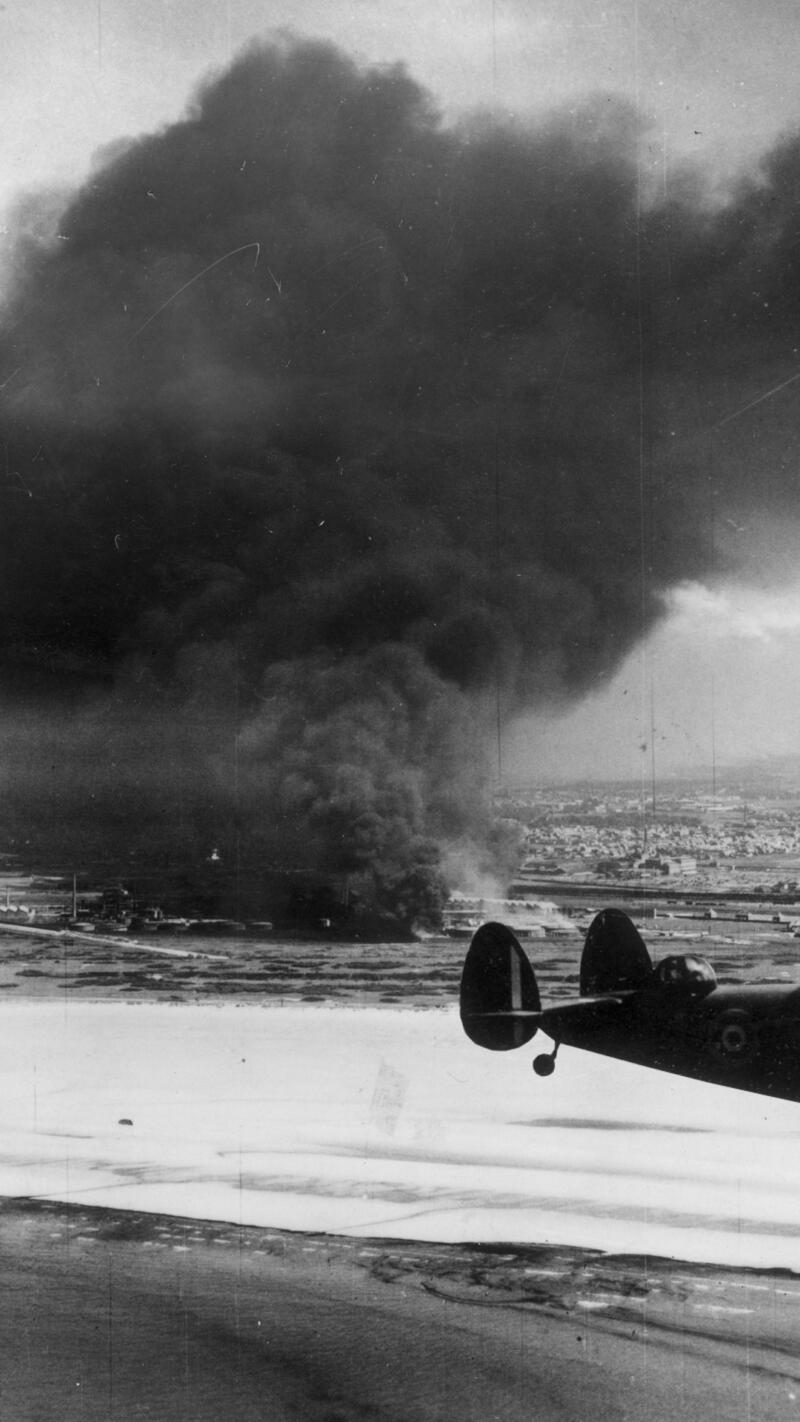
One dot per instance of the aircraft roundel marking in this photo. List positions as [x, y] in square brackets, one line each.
[732, 1036]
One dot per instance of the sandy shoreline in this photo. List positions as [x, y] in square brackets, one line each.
[115, 1314]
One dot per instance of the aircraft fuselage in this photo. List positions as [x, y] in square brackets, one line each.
[746, 1037]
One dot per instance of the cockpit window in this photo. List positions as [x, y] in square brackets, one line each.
[686, 970]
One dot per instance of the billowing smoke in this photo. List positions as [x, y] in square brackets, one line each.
[331, 435]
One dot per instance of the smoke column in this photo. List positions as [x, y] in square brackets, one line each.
[328, 430]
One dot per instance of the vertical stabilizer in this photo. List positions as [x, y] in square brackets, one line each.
[497, 983]
[614, 955]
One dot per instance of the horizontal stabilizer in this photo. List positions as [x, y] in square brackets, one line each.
[583, 1014]
[500, 1003]
[614, 955]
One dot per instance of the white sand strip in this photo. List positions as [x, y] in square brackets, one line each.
[386, 1121]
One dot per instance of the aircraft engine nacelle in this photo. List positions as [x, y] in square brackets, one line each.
[497, 983]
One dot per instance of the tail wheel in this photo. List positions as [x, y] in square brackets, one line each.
[732, 1037]
[545, 1063]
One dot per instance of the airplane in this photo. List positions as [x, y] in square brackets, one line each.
[675, 1017]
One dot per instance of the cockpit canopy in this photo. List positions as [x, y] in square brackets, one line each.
[684, 970]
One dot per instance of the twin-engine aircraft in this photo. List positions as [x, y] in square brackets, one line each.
[675, 1017]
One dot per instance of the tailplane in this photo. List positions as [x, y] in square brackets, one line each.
[500, 1003]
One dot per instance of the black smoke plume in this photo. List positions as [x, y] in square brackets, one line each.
[330, 434]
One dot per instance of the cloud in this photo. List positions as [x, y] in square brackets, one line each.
[737, 613]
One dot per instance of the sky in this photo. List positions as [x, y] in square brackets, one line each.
[717, 674]
[715, 81]
[715, 684]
